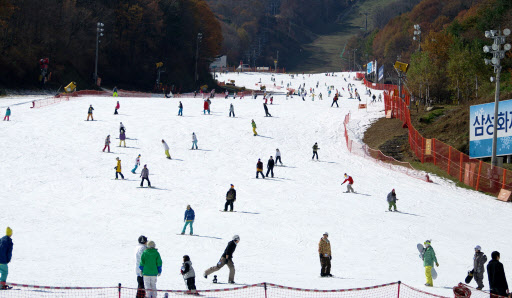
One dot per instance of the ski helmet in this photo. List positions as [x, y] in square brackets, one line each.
[236, 238]
[143, 239]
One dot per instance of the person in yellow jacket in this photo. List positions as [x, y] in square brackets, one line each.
[324, 249]
[254, 127]
[118, 168]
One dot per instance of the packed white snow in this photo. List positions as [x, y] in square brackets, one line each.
[74, 225]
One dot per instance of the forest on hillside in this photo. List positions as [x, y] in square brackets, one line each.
[137, 35]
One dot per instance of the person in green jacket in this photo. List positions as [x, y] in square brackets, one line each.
[429, 258]
[151, 267]
[254, 127]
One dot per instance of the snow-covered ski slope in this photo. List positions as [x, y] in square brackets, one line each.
[75, 225]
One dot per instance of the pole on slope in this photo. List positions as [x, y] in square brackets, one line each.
[119, 289]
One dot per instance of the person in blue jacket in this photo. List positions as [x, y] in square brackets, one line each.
[5, 257]
[189, 220]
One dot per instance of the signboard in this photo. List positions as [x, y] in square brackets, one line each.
[381, 73]
[369, 67]
[504, 195]
[481, 125]
[428, 146]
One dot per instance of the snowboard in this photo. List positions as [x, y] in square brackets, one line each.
[469, 278]
[421, 249]
[226, 211]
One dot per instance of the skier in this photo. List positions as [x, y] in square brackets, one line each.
[380, 97]
[374, 98]
[188, 274]
[429, 258]
[320, 96]
[267, 114]
[144, 174]
[391, 199]
[350, 182]
[194, 140]
[137, 164]
[278, 156]
[166, 148]
[118, 168]
[335, 100]
[230, 198]
[324, 249]
[138, 254]
[7, 114]
[270, 167]
[227, 94]
[190, 215]
[271, 100]
[254, 127]
[121, 127]
[478, 267]
[259, 169]
[226, 258]
[315, 151]
[496, 275]
[115, 95]
[6, 247]
[107, 143]
[117, 108]
[122, 138]
[89, 113]
[206, 107]
[180, 111]
[231, 110]
[151, 267]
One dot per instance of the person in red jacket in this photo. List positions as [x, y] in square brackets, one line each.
[350, 182]
[206, 107]
[117, 106]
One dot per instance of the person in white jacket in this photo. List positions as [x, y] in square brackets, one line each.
[138, 254]
[137, 164]
[166, 148]
[194, 140]
[278, 156]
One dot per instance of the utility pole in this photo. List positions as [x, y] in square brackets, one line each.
[199, 38]
[366, 21]
[99, 32]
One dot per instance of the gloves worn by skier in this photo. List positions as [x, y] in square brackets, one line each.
[437, 264]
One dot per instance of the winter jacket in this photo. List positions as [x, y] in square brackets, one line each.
[6, 247]
[206, 105]
[187, 270]
[138, 254]
[270, 164]
[253, 124]
[137, 161]
[496, 276]
[278, 153]
[231, 194]
[115, 90]
[8, 112]
[429, 257]
[117, 105]
[118, 167]
[90, 110]
[190, 215]
[107, 141]
[391, 197]
[230, 249]
[122, 136]
[350, 180]
[194, 138]
[315, 148]
[479, 261]
[150, 262]
[231, 108]
[144, 173]
[165, 146]
[259, 166]
[324, 247]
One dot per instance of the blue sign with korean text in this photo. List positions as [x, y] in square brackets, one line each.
[369, 67]
[381, 73]
[481, 129]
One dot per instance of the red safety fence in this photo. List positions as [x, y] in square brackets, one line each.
[260, 290]
[472, 172]
[248, 69]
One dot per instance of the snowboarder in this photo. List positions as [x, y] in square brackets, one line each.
[166, 148]
[137, 164]
[335, 100]
[429, 258]
[315, 151]
[271, 100]
[107, 143]
[188, 274]
[231, 110]
[391, 199]
[151, 267]
[259, 169]
[226, 258]
[320, 96]
[267, 114]
[324, 249]
[121, 127]
[144, 174]
[278, 156]
[230, 198]
[189, 220]
[180, 111]
[115, 95]
[270, 167]
[122, 138]
[6, 247]
[117, 107]
[138, 254]
[478, 267]
[254, 127]
[118, 168]
[350, 182]
[89, 113]
[374, 98]
[496, 275]
[206, 107]
[194, 140]
[7, 114]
